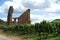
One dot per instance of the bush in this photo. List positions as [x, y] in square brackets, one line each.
[37, 28]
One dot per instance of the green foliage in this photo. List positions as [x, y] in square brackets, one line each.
[44, 27]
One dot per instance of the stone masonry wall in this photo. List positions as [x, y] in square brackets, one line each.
[9, 17]
[25, 17]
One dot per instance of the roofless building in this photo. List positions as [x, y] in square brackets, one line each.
[22, 19]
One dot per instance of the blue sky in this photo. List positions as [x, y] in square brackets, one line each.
[40, 9]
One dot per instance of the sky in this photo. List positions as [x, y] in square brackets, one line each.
[40, 9]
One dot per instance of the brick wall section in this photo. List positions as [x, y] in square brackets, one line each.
[9, 17]
[24, 18]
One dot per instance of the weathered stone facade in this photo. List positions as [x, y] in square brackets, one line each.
[9, 17]
[25, 18]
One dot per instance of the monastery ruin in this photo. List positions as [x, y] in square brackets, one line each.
[22, 19]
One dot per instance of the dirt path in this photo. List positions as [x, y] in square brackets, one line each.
[4, 38]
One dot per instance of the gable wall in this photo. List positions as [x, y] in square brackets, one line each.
[25, 17]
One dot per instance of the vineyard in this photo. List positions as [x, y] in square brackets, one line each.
[42, 30]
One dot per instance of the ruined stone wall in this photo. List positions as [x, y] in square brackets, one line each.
[25, 17]
[9, 17]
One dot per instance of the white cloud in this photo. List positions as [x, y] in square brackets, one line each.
[16, 5]
[48, 6]
[36, 18]
[36, 4]
[47, 16]
[17, 1]
[53, 8]
[22, 5]
[5, 19]
[2, 10]
[36, 1]
[19, 5]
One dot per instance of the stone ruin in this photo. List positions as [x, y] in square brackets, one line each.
[9, 17]
[22, 19]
